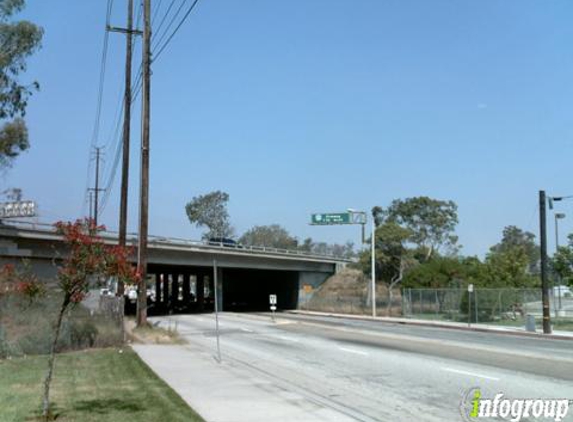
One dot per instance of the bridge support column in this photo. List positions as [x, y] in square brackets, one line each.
[157, 291]
[200, 292]
[187, 290]
[165, 303]
[174, 290]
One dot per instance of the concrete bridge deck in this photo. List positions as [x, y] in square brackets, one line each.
[181, 271]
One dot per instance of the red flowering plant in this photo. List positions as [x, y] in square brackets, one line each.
[88, 257]
[21, 281]
[7, 279]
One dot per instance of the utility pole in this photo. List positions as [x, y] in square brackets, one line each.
[129, 32]
[144, 187]
[373, 265]
[96, 190]
[98, 149]
[126, 130]
[544, 281]
[91, 197]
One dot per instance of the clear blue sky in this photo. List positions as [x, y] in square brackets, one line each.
[304, 106]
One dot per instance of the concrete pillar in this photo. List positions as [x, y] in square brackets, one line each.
[186, 290]
[165, 290]
[174, 289]
[200, 292]
[157, 290]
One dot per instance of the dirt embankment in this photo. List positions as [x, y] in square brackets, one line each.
[349, 292]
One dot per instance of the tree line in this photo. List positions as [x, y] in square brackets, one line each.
[416, 246]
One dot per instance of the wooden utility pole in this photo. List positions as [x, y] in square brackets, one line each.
[129, 32]
[126, 129]
[544, 281]
[91, 197]
[144, 187]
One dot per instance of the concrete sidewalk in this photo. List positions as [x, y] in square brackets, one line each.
[228, 392]
[559, 335]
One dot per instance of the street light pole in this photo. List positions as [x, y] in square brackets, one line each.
[558, 216]
[373, 265]
[543, 247]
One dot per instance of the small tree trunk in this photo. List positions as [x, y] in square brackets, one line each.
[51, 359]
[390, 300]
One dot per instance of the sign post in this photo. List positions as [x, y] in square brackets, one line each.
[352, 216]
[273, 303]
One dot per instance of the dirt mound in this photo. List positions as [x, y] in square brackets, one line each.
[349, 283]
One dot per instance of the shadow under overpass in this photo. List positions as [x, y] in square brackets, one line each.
[175, 290]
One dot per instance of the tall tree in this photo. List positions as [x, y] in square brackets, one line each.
[562, 262]
[18, 40]
[431, 222]
[210, 211]
[392, 259]
[514, 238]
[273, 236]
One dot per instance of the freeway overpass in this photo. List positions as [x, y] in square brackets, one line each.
[181, 271]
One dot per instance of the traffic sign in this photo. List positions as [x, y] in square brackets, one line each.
[17, 209]
[470, 288]
[273, 299]
[331, 218]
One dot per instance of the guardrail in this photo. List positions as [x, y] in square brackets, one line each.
[175, 241]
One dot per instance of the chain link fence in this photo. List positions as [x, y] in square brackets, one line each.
[489, 306]
[27, 327]
[357, 304]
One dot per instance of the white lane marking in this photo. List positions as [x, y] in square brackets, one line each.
[284, 322]
[472, 374]
[246, 330]
[289, 339]
[358, 352]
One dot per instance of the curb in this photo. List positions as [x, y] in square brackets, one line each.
[404, 321]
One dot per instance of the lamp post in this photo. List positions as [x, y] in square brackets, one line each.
[558, 216]
[359, 217]
[373, 265]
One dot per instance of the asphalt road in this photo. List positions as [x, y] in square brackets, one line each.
[372, 371]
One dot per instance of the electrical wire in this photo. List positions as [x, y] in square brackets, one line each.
[164, 46]
[97, 121]
[156, 30]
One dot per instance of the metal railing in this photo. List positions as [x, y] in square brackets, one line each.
[181, 242]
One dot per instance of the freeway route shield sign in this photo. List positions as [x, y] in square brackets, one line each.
[331, 218]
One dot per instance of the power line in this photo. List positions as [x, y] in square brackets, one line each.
[176, 29]
[165, 16]
[156, 11]
[97, 121]
[136, 89]
[161, 37]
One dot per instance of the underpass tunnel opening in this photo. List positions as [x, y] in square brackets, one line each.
[246, 290]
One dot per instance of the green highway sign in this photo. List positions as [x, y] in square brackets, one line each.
[331, 218]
